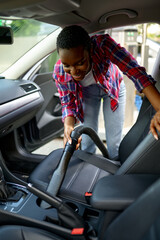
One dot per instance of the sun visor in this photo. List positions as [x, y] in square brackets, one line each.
[37, 9]
[65, 19]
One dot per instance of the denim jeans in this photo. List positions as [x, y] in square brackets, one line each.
[92, 99]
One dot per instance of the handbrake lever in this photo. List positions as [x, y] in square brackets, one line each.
[66, 215]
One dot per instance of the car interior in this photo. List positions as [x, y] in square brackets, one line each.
[71, 194]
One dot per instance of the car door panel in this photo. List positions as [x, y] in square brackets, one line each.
[47, 123]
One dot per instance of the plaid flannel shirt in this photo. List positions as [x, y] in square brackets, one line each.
[107, 58]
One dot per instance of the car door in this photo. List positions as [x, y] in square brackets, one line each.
[47, 124]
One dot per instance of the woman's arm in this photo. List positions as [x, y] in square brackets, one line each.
[69, 123]
[155, 125]
[68, 128]
[153, 96]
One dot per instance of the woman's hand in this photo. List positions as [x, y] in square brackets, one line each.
[153, 96]
[155, 125]
[68, 128]
[67, 134]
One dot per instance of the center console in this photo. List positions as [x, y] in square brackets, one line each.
[21, 205]
[26, 204]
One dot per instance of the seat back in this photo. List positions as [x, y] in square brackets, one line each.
[141, 220]
[141, 128]
[138, 131]
[144, 159]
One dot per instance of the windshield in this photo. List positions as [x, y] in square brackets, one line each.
[26, 34]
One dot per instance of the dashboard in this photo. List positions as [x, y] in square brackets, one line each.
[19, 102]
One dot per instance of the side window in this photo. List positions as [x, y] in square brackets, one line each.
[48, 64]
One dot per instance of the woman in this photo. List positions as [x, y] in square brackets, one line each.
[88, 71]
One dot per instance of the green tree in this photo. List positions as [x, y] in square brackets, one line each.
[25, 27]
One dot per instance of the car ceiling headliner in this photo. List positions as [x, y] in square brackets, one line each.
[93, 15]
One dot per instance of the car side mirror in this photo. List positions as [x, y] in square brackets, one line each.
[6, 35]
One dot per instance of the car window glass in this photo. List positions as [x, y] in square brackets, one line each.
[48, 64]
[26, 34]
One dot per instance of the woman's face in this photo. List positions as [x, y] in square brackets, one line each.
[76, 62]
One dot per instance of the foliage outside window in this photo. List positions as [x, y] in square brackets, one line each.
[26, 34]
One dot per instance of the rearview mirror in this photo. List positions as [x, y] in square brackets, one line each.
[6, 35]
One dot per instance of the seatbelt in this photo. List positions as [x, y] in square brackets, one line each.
[98, 161]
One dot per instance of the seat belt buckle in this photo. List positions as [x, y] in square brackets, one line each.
[88, 195]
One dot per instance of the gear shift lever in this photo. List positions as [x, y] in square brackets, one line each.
[8, 193]
[3, 187]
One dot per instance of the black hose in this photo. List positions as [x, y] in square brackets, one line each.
[66, 215]
[93, 135]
